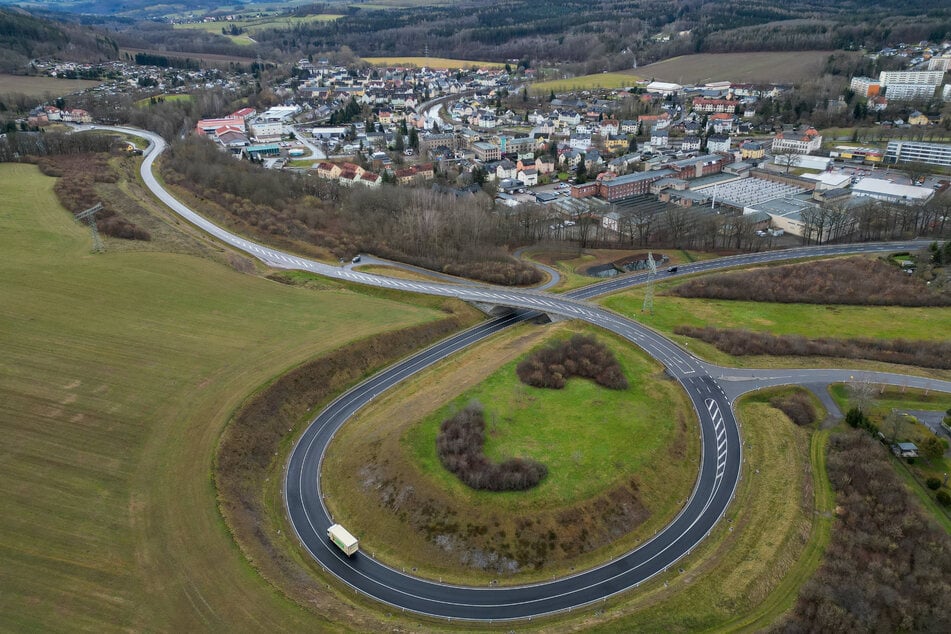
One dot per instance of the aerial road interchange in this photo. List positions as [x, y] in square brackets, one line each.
[712, 390]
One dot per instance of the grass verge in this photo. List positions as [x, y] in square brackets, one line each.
[749, 571]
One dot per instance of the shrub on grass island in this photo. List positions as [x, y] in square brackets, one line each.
[581, 355]
[459, 446]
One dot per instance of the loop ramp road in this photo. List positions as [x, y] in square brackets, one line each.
[712, 390]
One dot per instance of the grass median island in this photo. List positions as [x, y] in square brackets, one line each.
[621, 463]
[118, 374]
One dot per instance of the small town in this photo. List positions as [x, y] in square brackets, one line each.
[611, 157]
[445, 316]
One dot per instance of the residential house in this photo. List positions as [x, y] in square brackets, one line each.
[752, 150]
[414, 174]
[545, 164]
[506, 169]
[917, 118]
[571, 158]
[592, 159]
[580, 141]
[691, 143]
[616, 143]
[371, 180]
[718, 143]
[486, 151]
[610, 126]
[529, 177]
[702, 104]
[328, 170]
[659, 138]
[721, 123]
[658, 121]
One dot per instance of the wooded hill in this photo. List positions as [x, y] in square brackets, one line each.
[24, 37]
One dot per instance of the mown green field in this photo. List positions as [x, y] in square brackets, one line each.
[575, 431]
[585, 82]
[431, 62]
[118, 373]
[142, 103]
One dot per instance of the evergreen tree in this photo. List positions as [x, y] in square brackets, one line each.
[581, 175]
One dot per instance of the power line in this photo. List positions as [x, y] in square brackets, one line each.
[89, 215]
[649, 291]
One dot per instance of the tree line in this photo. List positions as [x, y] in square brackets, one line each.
[856, 281]
[741, 342]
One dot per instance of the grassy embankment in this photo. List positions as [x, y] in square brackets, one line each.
[254, 25]
[142, 103]
[119, 371]
[885, 322]
[749, 571]
[594, 441]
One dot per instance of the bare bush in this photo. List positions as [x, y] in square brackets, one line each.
[581, 356]
[888, 566]
[459, 446]
[925, 354]
[858, 281]
[77, 175]
[797, 406]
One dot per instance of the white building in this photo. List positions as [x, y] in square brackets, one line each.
[861, 86]
[906, 92]
[664, 88]
[942, 63]
[718, 143]
[918, 152]
[921, 77]
[265, 130]
[892, 192]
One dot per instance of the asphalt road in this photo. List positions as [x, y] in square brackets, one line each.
[712, 390]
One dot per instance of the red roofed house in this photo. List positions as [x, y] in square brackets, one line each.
[328, 170]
